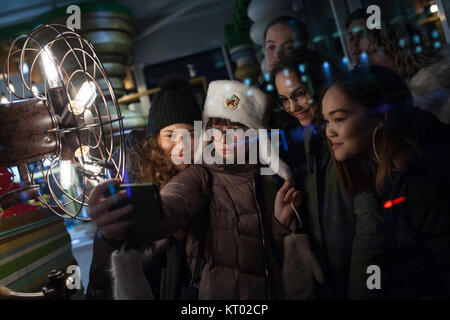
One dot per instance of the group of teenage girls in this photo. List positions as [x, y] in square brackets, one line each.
[366, 216]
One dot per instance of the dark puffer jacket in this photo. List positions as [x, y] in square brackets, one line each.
[406, 232]
[240, 258]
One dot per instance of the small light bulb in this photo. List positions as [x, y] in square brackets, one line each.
[81, 152]
[84, 157]
[25, 68]
[35, 90]
[50, 68]
[84, 98]
[4, 99]
[66, 173]
[76, 107]
[434, 8]
[11, 87]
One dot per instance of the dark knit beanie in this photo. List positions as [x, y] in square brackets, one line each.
[175, 103]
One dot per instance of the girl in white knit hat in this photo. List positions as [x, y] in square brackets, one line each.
[236, 218]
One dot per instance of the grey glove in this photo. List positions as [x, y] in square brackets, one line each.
[301, 270]
[128, 276]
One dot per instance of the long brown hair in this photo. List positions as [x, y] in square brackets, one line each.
[154, 165]
[214, 121]
[397, 44]
[387, 96]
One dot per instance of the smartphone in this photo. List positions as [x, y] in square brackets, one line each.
[145, 199]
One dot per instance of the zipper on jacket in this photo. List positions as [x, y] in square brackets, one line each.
[268, 289]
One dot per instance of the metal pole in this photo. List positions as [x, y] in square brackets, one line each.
[227, 62]
[444, 15]
[339, 28]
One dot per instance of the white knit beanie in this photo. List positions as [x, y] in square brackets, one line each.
[248, 105]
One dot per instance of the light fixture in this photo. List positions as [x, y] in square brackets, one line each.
[34, 90]
[4, 99]
[66, 173]
[41, 132]
[50, 69]
[25, 68]
[84, 157]
[84, 98]
[434, 8]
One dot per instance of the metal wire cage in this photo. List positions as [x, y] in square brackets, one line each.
[64, 135]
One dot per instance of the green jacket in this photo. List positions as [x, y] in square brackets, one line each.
[327, 213]
[405, 232]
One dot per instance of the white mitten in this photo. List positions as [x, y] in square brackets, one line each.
[129, 281]
[301, 270]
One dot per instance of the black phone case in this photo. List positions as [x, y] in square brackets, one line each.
[145, 199]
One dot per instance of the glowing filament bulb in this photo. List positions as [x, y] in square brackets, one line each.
[84, 157]
[66, 173]
[51, 71]
[84, 98]
[35, 90]
[25, 68]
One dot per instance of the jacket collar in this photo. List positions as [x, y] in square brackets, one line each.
[239, 169]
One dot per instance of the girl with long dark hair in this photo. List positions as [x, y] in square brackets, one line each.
[328, 217]
[392, 159]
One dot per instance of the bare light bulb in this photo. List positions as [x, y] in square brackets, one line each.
[85, 159]
[4, 99]
[35, 90]
[434, 8]
[66, 173]
[84, 98]
[51, 71]
[25, 68]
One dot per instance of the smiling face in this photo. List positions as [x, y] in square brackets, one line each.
[348, 125]
[170, 140]
[295, 98]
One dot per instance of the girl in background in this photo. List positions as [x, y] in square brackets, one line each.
[408, 53]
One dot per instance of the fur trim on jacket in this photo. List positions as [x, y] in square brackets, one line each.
[430, 87]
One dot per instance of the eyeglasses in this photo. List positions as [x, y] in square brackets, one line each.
[299, 97]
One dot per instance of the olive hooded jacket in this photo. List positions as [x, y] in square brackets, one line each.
[402, 244]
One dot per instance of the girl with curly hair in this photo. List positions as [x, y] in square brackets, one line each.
[150, 156]
[405, 50]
